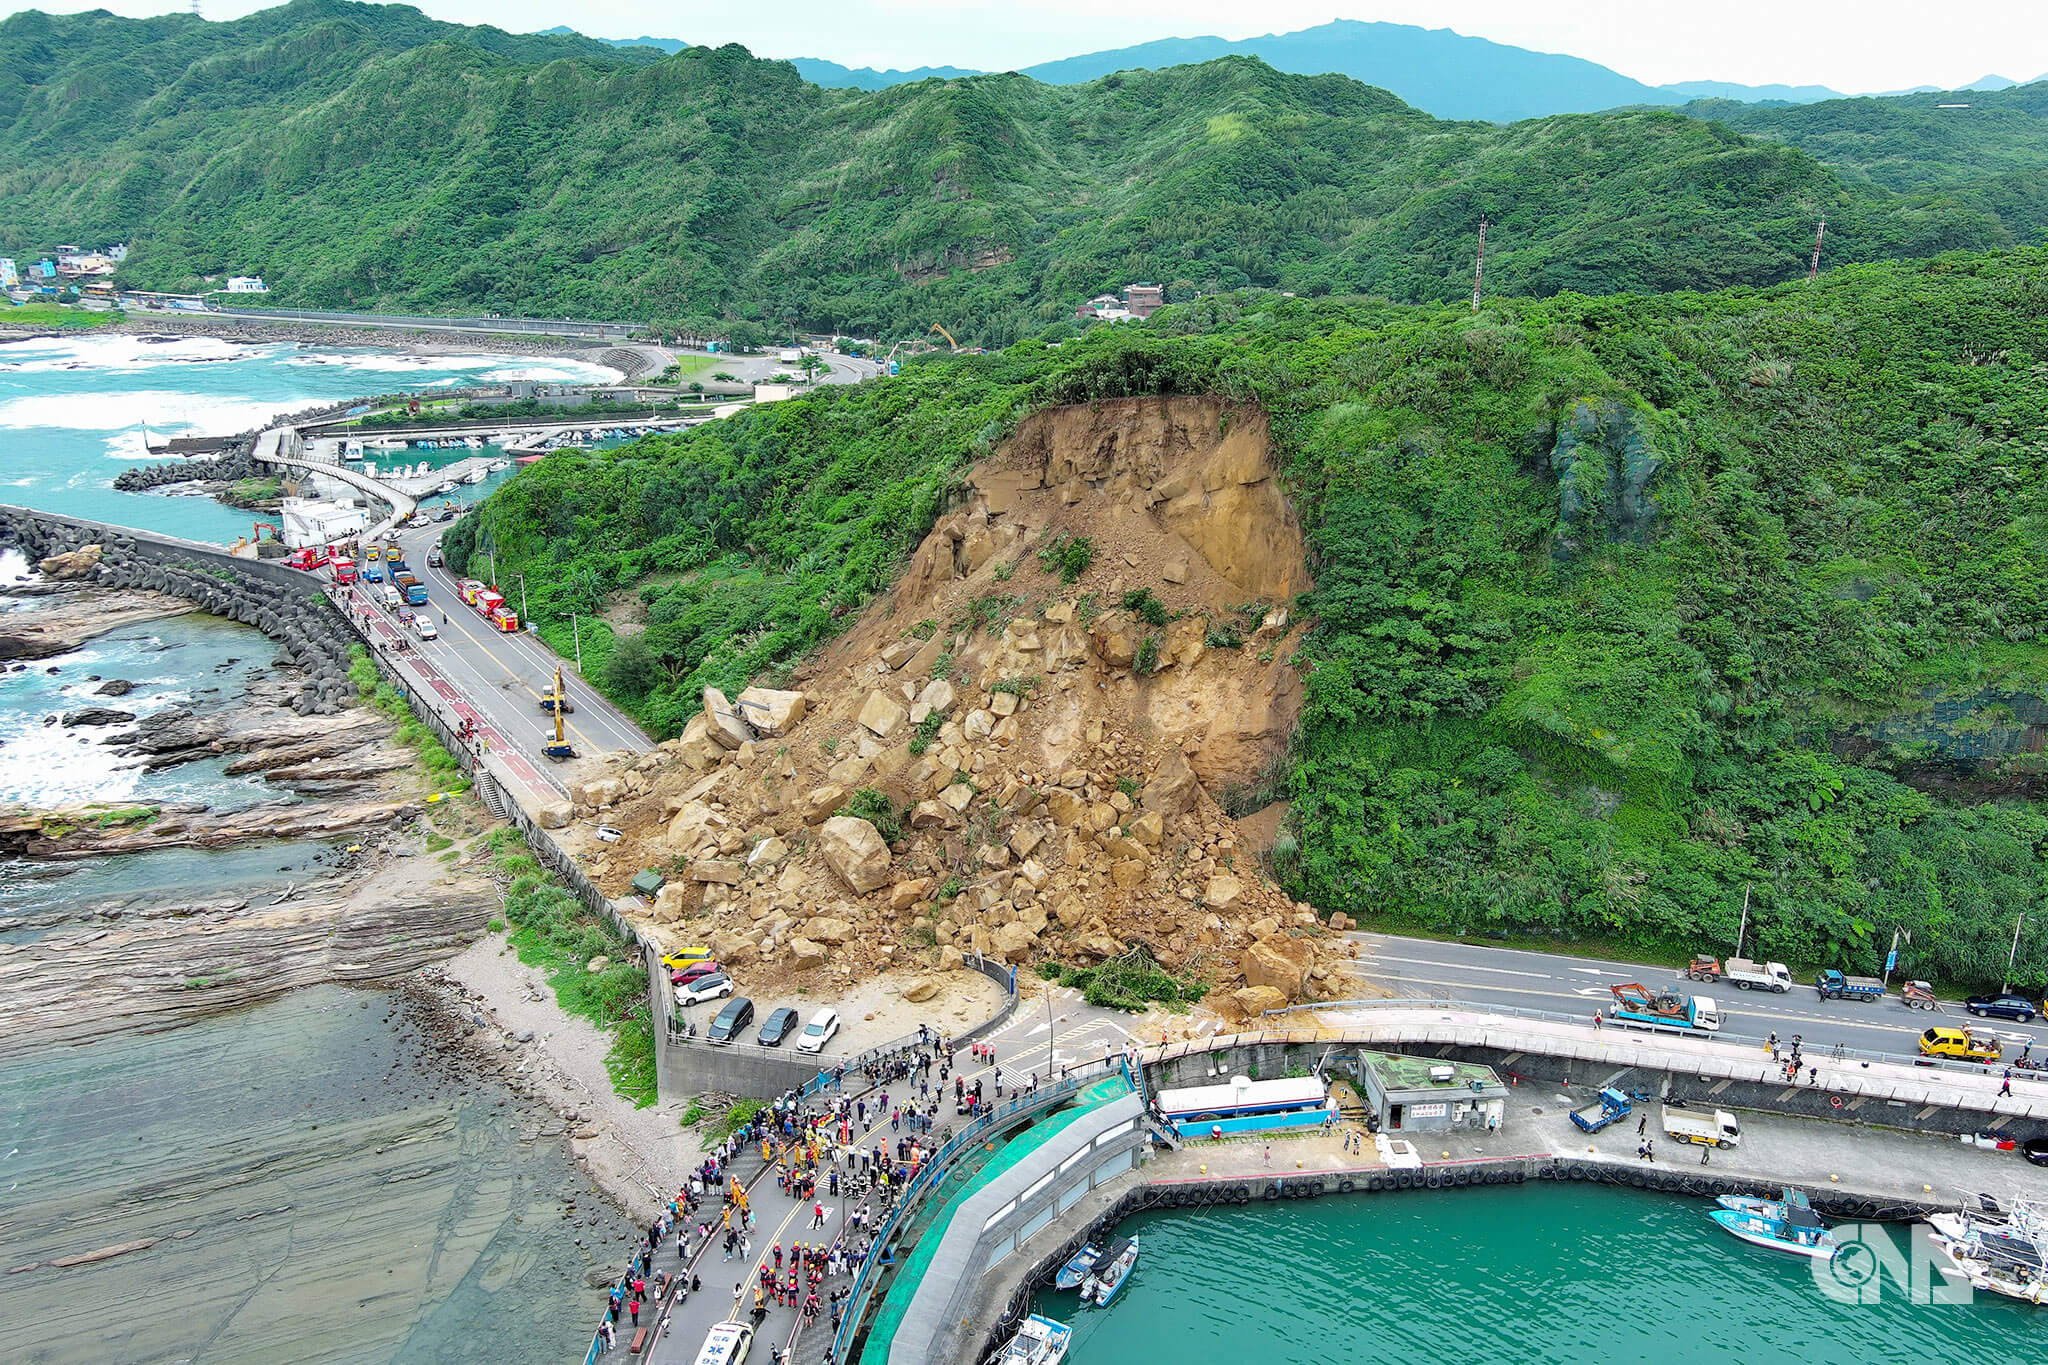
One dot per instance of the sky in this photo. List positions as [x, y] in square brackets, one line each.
[1849, 45]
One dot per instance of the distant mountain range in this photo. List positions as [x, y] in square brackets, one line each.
[1444, 73]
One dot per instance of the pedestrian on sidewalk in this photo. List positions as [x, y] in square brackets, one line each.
[1642, 1125]
[2006, 1087]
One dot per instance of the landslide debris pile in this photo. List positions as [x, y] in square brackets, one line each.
[1016, 752]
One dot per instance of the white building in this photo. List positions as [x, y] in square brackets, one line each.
[9, 276]
[247, 284]
[313, 521]
[772, 393]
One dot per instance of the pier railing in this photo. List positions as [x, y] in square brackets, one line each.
[1835, 1052]
[934, 1170]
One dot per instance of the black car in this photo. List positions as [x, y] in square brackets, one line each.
[2016, 1007]
[737, 1014]
[780, 1025]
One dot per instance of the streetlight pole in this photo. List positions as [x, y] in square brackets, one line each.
[1048, 1032]
[524, 615]
[2014, 955]
[576, 635]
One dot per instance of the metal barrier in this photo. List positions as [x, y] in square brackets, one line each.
[1829, 1052]
[934, 1171]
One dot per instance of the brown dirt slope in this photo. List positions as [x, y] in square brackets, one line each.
[1055, 799]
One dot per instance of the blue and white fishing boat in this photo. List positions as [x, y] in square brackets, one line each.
[1796, 1229]
[1111, 1273]
[1077, 1267]
[1040, 1341]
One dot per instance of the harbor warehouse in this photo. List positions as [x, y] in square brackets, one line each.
[1429, 1094]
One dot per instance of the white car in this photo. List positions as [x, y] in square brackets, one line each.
[713, 987]
[424, 628]
[819, 1031]
[607, 835]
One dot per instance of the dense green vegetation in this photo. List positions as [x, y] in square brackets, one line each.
[43, 315]
[1990, 153]
[1623, 605]
[554, 931]
[360, 155]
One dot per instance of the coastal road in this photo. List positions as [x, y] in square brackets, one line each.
[1424, 968]
[505, 676]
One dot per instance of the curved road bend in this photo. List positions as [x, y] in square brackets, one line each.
[1421, 968]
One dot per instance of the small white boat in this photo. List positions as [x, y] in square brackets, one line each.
[476, 475]
[386, 444]
[2000, 1252]
[473, 442]
[1040, 1341]
[1800, 1232]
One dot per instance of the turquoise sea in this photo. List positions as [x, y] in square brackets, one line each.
[1574, 1274]
[74, 410]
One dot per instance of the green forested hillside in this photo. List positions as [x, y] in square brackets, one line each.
[1623, 605]
[359, 155]
[1990, 153]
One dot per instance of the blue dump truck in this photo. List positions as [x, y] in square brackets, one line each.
[1832, 985]
[1611, 1107]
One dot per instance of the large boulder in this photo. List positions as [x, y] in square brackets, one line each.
[696, 826]
[808, 954]
[770, 711]
[1172, 790]
[1222, 892]
[937, 695]
[828, 930]
[72, 564]
[882, 715]
[855, 850]
[1253, 1001]
[726, 727]
[1014, 941]
[1280, 962]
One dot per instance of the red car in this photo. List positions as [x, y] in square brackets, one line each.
[683, 976]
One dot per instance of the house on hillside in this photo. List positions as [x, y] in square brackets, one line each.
[247, 284]
[1144, 300]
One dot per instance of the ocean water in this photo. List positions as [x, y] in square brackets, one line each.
[1537, 1272]
[316, 1190]
[73, 411]
[315, 1193]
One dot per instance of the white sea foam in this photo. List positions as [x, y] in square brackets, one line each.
[158, 409]
[46, 355]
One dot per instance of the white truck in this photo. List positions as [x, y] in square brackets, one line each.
[1717, 1128]
[1744, 974]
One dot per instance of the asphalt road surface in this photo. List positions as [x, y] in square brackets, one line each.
[1423, 968]
[505, 676]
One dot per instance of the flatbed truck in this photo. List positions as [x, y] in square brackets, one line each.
[1701, 1128]
[1637, 1006]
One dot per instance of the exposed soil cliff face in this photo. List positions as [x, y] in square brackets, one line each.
[1049, 753]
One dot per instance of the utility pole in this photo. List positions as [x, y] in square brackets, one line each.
[1744, 929]
[524, 615]
[1479, 266]
[576, 635]
[2014, 955]
[1813, 272]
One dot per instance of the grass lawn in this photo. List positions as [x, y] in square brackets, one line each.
[58, 315]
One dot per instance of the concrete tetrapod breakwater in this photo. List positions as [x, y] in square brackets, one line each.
[284, 604]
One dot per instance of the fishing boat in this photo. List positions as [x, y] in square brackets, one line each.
[1040, 1341]
[1798, 1231]
[1077, 1267]
[473, 442]
[1768, 1208]
[476, 475]
[1113, 1270]
[2001, 1252]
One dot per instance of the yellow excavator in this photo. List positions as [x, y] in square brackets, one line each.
[947, 335]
